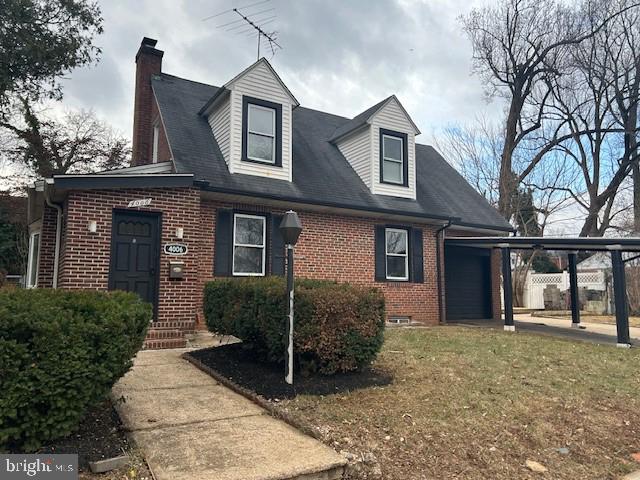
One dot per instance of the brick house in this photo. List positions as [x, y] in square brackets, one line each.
[214, 169]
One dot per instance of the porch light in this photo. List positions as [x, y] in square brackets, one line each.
[179, 233]
[290, 229]
[92, 226]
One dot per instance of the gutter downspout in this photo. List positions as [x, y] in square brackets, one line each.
[56, 255]
[439, 269]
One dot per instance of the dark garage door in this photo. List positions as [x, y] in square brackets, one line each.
[467, 283]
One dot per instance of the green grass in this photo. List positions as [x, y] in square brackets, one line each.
[477, 403]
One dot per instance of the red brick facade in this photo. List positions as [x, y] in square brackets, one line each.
[86, 256]
[341, 248]
[331, 246]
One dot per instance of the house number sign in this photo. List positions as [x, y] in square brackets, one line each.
[175, 249]
[143, 202]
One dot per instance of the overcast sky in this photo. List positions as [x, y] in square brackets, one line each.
[340, 56]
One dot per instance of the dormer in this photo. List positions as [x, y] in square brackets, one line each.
[379, 144]
[251, 120]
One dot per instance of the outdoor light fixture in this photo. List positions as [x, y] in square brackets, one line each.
[179, 233]
[92, 226]
[290, 229]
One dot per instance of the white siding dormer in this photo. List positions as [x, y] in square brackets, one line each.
[356, 148]
[258, 89]
[360, 142]
[220, 121]
[393, 118]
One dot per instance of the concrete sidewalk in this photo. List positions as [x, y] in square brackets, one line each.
[190, 427]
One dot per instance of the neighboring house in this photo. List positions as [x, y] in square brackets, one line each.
[214, 169]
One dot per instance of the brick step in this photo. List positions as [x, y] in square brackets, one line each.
[158, 344]
[184, 325]
[164, 333]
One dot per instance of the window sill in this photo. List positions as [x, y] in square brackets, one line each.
[259, 162]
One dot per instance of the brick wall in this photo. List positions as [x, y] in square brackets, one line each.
[148, 63]
[86, 255]
[341, 248]
[47, 247]
[331, 247]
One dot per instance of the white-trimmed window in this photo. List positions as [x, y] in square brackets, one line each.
[34, 260]
[261, 133]
[392, 159]
[156, 140]
[249, 240]
[397, 254]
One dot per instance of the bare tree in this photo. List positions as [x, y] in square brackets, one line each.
[520, 48]
[474, 149]
[79, 143]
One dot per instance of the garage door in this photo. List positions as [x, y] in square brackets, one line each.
[468, 283]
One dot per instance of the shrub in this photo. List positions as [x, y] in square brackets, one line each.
[338, 327]
[60, 354]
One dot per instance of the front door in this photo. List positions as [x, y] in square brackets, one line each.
[135, 250]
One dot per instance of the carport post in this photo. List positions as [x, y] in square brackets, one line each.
[507, 289]
[573, 290]
[620, 296]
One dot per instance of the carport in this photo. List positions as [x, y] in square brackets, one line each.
[616, 247]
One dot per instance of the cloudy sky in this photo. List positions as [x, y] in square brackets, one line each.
[340, 56]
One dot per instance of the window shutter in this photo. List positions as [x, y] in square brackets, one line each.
[417, 263]
[223, 243]
[277, 246]
[381, 267]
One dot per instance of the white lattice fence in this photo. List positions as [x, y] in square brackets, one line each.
[537, 282]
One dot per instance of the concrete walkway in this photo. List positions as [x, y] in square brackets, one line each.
[190, 427]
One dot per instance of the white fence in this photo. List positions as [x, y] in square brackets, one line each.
[537, 282]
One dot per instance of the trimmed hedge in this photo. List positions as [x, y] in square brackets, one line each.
[60, 354]
[338, 327]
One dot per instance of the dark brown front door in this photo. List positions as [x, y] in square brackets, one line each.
[135, 250]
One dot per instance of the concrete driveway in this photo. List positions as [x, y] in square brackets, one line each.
[595, 332]
[190, 427]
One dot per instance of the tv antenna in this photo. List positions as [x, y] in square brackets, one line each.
[252, 23]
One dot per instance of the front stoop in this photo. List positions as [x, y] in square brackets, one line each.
[168, 334]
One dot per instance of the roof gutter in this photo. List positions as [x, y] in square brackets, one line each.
[56, 255]
[440, 231]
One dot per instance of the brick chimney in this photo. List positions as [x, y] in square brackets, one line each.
[148, 63]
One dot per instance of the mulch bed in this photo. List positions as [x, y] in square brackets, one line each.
[267, 379]
[99, 436]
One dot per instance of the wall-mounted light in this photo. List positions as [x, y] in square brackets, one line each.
[92, 226]
[179, 233]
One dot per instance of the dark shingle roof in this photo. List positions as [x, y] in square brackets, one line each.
[357, 121]
[321, 174]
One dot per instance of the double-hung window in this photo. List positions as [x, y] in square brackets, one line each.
[261, 131]
[393, 157]
[397, 254]
[33, 260]
[261, 134]
[249, 245]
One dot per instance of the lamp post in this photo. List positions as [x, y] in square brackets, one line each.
[290, 229]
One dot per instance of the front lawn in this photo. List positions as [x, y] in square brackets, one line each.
[478, 403]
